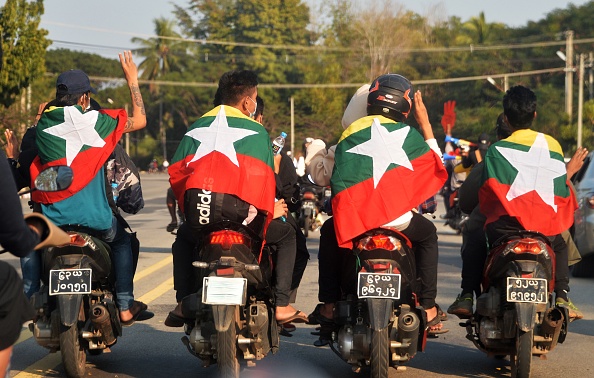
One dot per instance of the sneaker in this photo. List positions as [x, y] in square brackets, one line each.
[462, 306]
[574, 312]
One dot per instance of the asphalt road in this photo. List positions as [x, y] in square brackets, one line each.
[149, 349]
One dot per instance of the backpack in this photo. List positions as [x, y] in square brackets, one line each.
[121, 170]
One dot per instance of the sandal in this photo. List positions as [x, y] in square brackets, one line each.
[297, 317]
[139, 313]
[171, 226]
[434, 322]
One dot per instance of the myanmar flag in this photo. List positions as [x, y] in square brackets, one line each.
[226, 152]
[525, 177]
[81, 140]
[382, 169]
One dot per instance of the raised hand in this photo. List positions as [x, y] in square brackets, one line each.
[449, 116]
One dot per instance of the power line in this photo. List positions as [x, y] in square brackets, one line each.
[332, 85]
[469, 48]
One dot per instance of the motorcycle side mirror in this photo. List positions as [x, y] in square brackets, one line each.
[54, 179]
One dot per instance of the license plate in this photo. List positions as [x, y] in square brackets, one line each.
[378, 285]
[70, 281]
[224, 291]
[529, 290]
[308, 204]
[327, 193]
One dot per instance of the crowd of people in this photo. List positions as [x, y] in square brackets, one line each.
[269, 206]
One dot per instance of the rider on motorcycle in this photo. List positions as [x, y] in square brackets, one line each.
[554, 212]
[387, 96]
[85, 203]
[202, 205]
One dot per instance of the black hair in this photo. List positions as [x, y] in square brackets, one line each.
[235, 85]
[260, 108]
[502, 128]
[65, 99]
[519, 106]
[223, 82]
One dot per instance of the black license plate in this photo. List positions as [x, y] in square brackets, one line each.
[529, 290]
[378, 285]
[70, 281]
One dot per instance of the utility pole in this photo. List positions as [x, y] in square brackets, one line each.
[580, 100]
[292, 126]
[591, 75]
[569, 74]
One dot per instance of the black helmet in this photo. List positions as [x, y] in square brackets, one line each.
[389, 95]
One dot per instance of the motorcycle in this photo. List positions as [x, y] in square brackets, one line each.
[382, 325]
[231, 317]
[75, 308]
[457, 218]
[514, 315]
[313, 198]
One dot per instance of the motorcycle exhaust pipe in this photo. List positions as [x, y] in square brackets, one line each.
[550, 329]
[408, 333]
[102, 322]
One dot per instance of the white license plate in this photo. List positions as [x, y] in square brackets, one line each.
[308, 204]
[528, 290]
[224, 291]
[378, 285]
[327, 193]
[70, 281]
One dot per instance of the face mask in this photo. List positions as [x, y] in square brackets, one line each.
[253, 114]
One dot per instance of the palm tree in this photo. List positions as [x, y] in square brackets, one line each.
[162, 54]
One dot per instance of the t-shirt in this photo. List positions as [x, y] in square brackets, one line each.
[87, 208]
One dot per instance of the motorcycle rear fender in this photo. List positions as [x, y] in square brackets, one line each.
[222, 316]
[525, 316]
[69, 305]
[380, 311]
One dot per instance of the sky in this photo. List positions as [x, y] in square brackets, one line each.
[85, 25]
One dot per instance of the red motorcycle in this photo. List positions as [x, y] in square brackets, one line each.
[515, 314]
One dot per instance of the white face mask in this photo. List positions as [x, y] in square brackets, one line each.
[253, 114]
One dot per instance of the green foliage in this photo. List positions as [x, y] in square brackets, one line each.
[60, 60]
[23, 47]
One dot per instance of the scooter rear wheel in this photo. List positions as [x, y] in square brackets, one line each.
[380, 353]
[227, 361]
[521, 359]
[73, 352]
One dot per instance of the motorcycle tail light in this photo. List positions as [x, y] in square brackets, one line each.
[309, 196]
[388, 243]
[226, 238]
[77, 240]
[379, 267]
[532, 246]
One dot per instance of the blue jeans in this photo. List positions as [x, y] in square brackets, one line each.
[31, 270]
[122, 263]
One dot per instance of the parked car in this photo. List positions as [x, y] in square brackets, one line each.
[584, 218]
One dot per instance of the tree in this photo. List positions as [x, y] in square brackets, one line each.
[23, 47]
[162, 54]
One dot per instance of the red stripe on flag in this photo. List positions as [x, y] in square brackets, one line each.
[361, 208]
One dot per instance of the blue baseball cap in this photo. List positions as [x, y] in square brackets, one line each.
[74, 82]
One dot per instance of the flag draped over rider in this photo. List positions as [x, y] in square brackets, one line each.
[525, 177]
[382, 170]
[226, 152]
[81, 140]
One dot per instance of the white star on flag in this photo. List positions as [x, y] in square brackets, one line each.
[384, 148]
[536, 171]
[78, 130]
[218, 136]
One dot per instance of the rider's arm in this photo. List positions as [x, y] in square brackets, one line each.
[138, 119]
[423, 120]
[15, 235]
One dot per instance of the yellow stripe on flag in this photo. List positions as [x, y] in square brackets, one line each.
[526, 137]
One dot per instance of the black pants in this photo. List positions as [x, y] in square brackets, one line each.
[301, 258]
[335, 261]
[280, 234]
[506, 225]
[474, 253]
